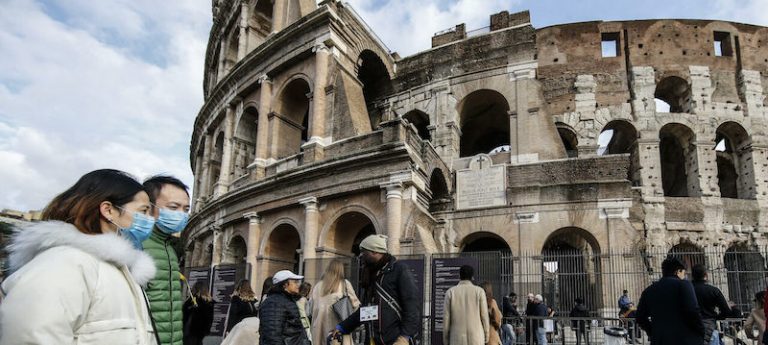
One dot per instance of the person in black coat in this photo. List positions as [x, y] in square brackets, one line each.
[709, 299]
[198, 315]
[280, 319]
[387, 285]
[668, 310]
[242, 304]
[580, 326]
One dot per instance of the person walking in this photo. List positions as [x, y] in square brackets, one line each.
[540, 311]
[712, 304]
[494, 314]
[198, 315]
[754, 327]
[511, 319]
[281, 319]
[465, 312]
[390, 304]
[530, 324]
[332, 287]
[580, 325]
[76, 276]
[242, 304]
[170, 206]
[668, 311]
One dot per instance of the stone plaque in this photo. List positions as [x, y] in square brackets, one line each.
[482, 185]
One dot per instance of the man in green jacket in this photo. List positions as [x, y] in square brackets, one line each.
[170, 206]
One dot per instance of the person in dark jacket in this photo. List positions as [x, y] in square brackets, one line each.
[198, 315]
[580, 326]
[530, 329]
[668, 310]
[540, 311]
[709, 299]
[242, 304]
[281, 319]
[511, 319]
[389, 292]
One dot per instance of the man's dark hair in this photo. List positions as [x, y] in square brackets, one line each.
[154, 184]
[698, 272]
[466, 272]
[579, 300]
[671, 265]
[512, 294]
[625, 292]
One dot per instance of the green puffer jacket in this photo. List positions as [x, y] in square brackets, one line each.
[164, 291]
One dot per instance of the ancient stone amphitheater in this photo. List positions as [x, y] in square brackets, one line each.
[598, 138]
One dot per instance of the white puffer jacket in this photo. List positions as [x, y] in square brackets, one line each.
[71, 288]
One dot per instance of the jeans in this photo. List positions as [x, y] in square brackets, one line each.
[507, 334]
[541, 335]
[715, 340]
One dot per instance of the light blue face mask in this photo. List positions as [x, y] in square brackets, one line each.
[171, 222]
[139, 230]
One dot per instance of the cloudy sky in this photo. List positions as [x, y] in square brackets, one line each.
[117, 83]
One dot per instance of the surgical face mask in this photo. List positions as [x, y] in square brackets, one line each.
[171, 222]
[139, 230]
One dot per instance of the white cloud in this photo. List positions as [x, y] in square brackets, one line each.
[87, 85]
[746, 11]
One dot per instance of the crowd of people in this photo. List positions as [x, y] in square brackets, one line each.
[101, 269]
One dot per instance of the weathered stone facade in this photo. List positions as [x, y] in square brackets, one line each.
[313, 136]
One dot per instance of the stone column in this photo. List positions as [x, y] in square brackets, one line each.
[242, 44]
[311, 227]
[394, 215]
[222, 186]
[197, 252]
[643, 85]
[254, 238]
[701, 89]
[218, 243]
[278, 15]
[317, 132]
[706, 158]
[751, 90]
[262, 134]
[222, 57]
[205, 180]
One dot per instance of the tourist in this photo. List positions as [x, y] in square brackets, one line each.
[332, 288]
[579, 325]
[242, 304]
[754, 327]
[530, 324]
[494, 314]
[465, 312]
[709, 298]
[511, 319]
[198, 314]
[281, 319]
[624, 301]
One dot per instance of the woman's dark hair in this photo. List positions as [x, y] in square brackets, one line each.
[79, 205]
[266, 286]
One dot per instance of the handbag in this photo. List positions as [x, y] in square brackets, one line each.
[343, 307]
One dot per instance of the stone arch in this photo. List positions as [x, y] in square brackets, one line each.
[735, 171]
[484, 241]
[198, 166]
[622, 139]
[569, 138]
[244, 145]
[675, 92]
[259, 21]
[689, 253]
[376, 80]
[745, 268]
[232, 46]
[235, 251]
[440, 193]
[484, 117]
[326, 236]
[571, 268]
[420, 120]
[344, 234]
[292, 116]
[216, 159]
[281, 247]
[679, 162]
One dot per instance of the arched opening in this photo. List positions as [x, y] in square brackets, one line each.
[376, 81]
[441, 197]
[484, 118]
[420, 120]
[620, 137]
[235, 252]
[282, 249]
[675, 92]
[245, 141]
[292, 115]
[215, 163]
[571, 269]
[569, 139]
[745, 267]
[482, 241]
[679, 163]
[260, 22]
[690, 254]
[735, 171]
[495, 260]
[199, 157]
[233, 44]
[348, 231]
[208, 256]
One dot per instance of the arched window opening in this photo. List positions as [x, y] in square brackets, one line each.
[376, 81]
[348, 231]
[679, 163]
[215, 163]
[292, 114]
[690, 254]
[233, 44]
[675, 92]
[620, 137]
[735, 172]
[484, 122]
[235, 252]
[199, 157]
[259, 23]
[282, 249]
[439, 188]
[569, 139]
[571, 269]
[245, 141]
[494, 258]
[745, 268]
[420, 120]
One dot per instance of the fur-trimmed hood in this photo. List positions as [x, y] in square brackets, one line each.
[30, 240]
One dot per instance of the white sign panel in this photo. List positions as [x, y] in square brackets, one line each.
[482, 185]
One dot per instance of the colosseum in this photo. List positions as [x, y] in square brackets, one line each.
[573, 156]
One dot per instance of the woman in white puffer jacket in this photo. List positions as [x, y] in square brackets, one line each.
[76, 276]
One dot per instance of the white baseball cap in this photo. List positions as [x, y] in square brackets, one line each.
[284, 275]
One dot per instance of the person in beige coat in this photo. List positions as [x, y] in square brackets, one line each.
[330, 289]
[754, 327]
[465, 312]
